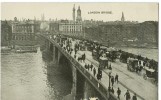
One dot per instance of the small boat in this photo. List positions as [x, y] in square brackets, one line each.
[26, 49]
[5, 50]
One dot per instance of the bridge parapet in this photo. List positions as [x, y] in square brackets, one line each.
[97, 84]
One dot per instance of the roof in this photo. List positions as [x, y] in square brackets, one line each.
[148, 69]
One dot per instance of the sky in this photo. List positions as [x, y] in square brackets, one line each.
[132, 11]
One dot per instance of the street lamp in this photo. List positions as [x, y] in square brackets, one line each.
[109, 78]
[109, 87]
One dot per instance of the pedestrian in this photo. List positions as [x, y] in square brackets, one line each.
[75, 56]
[84, 56]
[91, 66]
[112, 90]
[100, 76]
[134, 97]
[110, 67]
[88, 67]
[118, 93]
[112, 80]
[100, 73]
[85, 66]
[97, 76]
[94, 72]
[127, 94]
[116, 78]
[99, 69]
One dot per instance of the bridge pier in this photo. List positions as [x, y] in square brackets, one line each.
[59, 56]
[74, 85]
[53, 52]
[89, 91]
[56, 54]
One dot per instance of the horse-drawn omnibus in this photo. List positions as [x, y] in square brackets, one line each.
[132, 64]
[151, 74]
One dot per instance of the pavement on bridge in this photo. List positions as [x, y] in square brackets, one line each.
[132, 81]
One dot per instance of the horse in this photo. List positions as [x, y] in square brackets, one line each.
[80, 59]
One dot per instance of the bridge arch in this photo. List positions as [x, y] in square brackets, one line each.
[66, 67]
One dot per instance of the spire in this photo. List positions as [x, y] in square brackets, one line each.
[42, 17]
[78, 8]
[34, 18]
[122, 18]
[74, 12]
[74, 7]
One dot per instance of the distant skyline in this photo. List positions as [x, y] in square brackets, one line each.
[132, 11]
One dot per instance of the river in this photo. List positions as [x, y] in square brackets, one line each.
[26, 76]
[145, 52]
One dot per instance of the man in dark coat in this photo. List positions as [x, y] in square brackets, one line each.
[88, 67]
[127, 94]
[98, 78]
[94, 72]
[91, 66]
[118, 93]
[85, 66]
[116, 78]
[112, 90]
[112, 80]
[134, 97]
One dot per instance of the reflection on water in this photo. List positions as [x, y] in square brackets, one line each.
[27, 76]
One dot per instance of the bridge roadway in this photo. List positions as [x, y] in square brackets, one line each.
[127, 80]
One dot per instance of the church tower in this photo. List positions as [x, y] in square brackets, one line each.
[42, 17]
[122, 18]
[79, 18]
[74, 12]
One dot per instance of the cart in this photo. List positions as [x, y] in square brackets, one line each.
[103, 61]
[132, 64]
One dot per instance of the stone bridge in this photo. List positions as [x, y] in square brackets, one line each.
[83, 82]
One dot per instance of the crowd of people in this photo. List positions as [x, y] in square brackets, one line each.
[90, 67]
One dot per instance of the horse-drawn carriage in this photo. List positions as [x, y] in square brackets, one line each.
[89, 46]
[103, 61]
[123, 57]
[95, 55]
[150, 74]
[82, 45]
[112, 54]
[132, 64]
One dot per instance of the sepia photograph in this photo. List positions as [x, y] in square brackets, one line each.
[79, 50]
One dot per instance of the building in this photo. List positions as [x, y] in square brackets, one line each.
[79, 18]
[6, 33]
[54, 27]
[72, 27]
[23, 32]
[123, 32]
[122, 18]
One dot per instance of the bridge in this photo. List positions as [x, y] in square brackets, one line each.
[84, 82]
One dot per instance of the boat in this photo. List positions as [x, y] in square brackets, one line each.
[26, 49]
[5, 50]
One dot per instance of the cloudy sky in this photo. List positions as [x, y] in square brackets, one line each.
[132, 11]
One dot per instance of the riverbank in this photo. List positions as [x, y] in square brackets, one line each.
[19, 49]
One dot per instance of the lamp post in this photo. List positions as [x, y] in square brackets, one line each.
[109, 87]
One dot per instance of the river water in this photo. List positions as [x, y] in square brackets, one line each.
[145, 52]
[26, 76]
